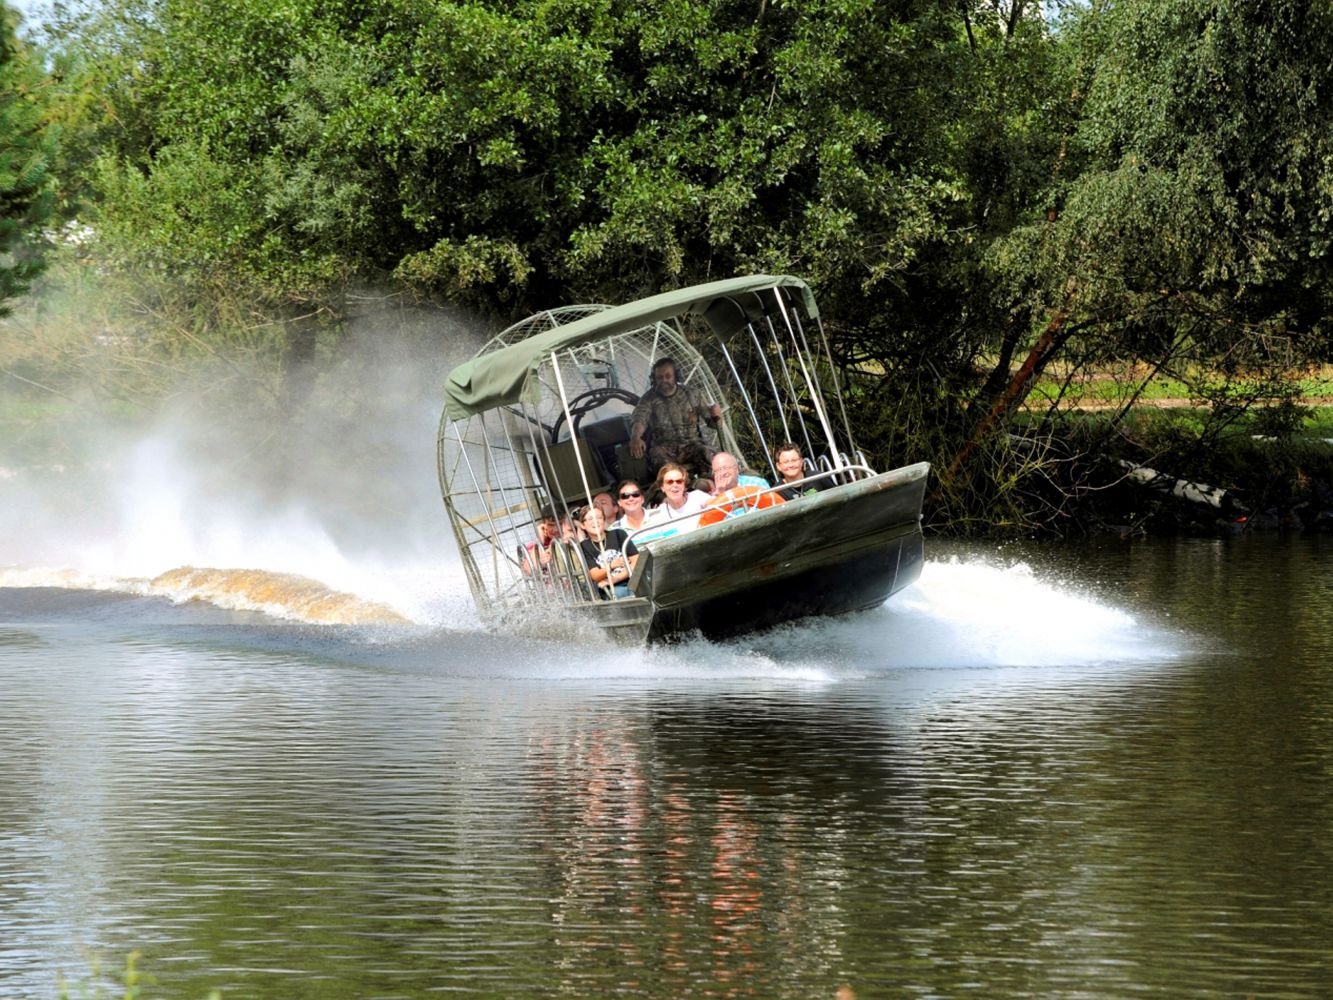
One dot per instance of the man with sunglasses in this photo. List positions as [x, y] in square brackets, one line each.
[672, 413]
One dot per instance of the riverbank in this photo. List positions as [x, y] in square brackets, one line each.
[1171, 467]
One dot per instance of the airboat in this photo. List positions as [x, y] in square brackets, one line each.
[540, 420]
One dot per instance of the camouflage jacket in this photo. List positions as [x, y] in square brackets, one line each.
[671, 419]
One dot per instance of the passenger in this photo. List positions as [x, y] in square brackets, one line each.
[606, 503]
[569, 531]
[671, 480]
[790, 464]
[671, 412]
[727, 474]
[538, 555]
[608, 553]
[633, 510]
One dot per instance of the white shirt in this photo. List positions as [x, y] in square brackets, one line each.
[623, 524]
[695, 502]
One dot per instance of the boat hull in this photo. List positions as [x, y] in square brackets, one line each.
[846, 549]
[853, 584]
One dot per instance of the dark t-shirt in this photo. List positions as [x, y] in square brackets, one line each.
[804, 490]
[613, 544]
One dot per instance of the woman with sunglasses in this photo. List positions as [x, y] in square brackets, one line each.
[633, 510]
[671, 480]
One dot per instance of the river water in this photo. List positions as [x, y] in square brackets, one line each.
[1093, 771]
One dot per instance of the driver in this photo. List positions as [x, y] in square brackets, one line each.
[671, 411]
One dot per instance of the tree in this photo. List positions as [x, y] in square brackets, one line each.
[1206, 143]
[515, 154]
[1189, 228]
[518, 152]
[27, 145]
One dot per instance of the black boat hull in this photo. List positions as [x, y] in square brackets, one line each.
[862, 581]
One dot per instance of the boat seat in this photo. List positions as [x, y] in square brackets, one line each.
[629, 467]
[608, 437]
[607, 432]
[558, 467]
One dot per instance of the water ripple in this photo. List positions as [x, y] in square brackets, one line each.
[893, 802]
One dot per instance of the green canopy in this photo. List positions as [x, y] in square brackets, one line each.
[501, 377]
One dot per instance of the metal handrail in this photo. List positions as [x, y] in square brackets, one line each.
[830, 474]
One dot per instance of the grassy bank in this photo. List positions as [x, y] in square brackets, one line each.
[1179, 469]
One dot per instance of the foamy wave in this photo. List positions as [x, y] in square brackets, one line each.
[278, 595]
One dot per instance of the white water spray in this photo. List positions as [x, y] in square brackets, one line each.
[970, 612]
[343, 494]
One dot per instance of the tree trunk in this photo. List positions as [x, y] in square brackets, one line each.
[1014, 394]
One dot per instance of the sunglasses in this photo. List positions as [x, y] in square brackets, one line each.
[630, 496]
[673, 482]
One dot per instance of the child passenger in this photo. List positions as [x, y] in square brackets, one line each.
[537, 555]
[608, 553]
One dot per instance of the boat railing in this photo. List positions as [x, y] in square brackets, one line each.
[833, 476]
[850, 472]
[573, 570]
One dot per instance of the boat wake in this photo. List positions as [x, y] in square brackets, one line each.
[283, 596]
[966, 612]
[279, 595]
[961, 613]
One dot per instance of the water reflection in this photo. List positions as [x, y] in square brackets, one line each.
[1131, 797]
[692, 867]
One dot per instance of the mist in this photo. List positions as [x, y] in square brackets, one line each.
[339, 486]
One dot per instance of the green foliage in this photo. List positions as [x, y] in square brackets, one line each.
[511, 155]
[201, 219]
[588, 146]
[1206, 198]
[460, 268]
[27, 145]
[970, 186]
[1186, 227]
[1281, 421]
